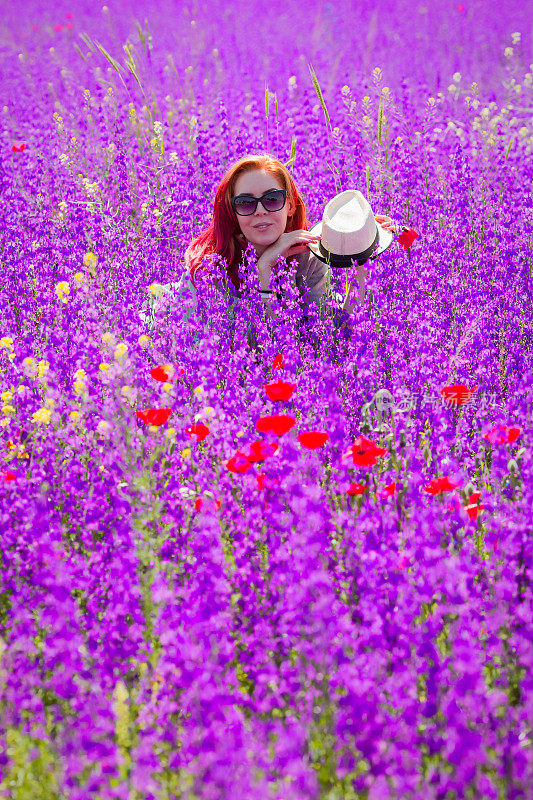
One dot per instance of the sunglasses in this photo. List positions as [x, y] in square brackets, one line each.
[246, 204]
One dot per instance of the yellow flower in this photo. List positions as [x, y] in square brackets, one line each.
[103, 367]
[104, 427]
[42, 415]
[166, 387]
[62, 290]
[170, 433]
[79, 278]
[49, 402]
[128, 392]
[120, 351]
[186, 452]
[144, 341]
[42, 368]
[6, 396]
[155, 289]
[107, 338]
[80, 375]
[6, 342]
[5, 422]
[74, 415]
[199, 391]
[9, 411]
[90, 261]
[79, 388]
[29, 366]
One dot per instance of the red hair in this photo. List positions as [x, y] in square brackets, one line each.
[223, 235]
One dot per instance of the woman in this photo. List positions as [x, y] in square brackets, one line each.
[258, 203]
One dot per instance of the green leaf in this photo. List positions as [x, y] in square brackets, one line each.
[80, 53]
[88, 41]
[132, 70]
[266, 101]
[116, 66]
[141, 33]
[319, 93]
[290, 162]
[380, 121]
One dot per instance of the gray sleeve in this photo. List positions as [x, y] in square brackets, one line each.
[182, 292]
[314, 275]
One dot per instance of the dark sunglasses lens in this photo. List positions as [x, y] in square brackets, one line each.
[244, 206]
[274, 201]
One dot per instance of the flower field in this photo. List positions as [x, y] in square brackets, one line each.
[244, 557]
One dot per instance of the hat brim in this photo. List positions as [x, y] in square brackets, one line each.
[385, 238]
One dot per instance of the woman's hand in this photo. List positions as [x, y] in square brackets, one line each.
[287, 245]
[387, 223]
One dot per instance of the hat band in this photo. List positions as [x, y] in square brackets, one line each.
[336, 260]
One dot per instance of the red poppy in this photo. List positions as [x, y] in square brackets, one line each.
[238, 463]
[407, 237]
[159, 373]
[501, 434]
[199, 431]
[363, 452]
[19, 148]
[356, 489]
[277, 424]
[165, 372]
[58, 28]
[261, 480]
[199, 503]
[473, 510]
[154, 416]
[313, 439]
[390, 490]
[260, 450]
[458, 394]
[279, 390]
[438, 485]
[474, 506]
[277, 363]
[460, 8]
[6, 475]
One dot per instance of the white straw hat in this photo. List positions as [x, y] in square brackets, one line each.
[349, 232]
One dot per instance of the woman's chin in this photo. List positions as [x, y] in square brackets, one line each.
[261, 246]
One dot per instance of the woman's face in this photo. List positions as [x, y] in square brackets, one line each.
[262, 228]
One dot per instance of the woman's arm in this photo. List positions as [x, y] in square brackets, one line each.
[182, 292]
